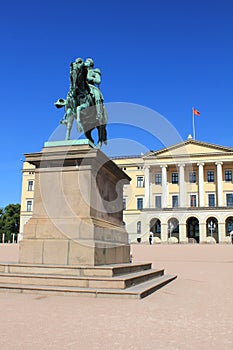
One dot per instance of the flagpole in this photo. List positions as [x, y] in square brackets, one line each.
[194, 136]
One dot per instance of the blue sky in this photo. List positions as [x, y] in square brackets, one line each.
[165, 55]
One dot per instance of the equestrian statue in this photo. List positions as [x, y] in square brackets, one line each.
[84, 101]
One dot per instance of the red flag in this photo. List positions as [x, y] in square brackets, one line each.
[196, 112]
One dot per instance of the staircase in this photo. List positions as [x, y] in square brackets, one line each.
[129, 280]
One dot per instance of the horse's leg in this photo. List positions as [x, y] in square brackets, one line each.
[102, 135]
[63, 120]
[99, 145]
[70, 120]
[68, 130]
[79, 124]
[101, 116]
[79, 109]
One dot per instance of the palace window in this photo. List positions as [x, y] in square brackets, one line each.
[192, 177]
[30, 185]
[193, 200]
[211, 200]
[175, 200]
[139, 227]
[29, 205]
[124, 203]
[139, 203]
[175, 178]
[158, 202]
[210, 176]
[228, 175]
[229, 199]
[140, 181]
[158, 178]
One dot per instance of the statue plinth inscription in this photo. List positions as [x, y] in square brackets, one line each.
[77, 209]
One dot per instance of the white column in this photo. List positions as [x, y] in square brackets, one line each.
[219, 183]
[202, 232]
[164, 186]
[221, 232]
[182, 189]
[183, 234]
[147, 186]
[19, 237]
[3, 238]
[201, 184]
[164, 232]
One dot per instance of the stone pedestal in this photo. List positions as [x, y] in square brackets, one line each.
[77, 208]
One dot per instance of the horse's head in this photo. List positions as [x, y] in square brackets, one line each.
[78, 63]
[79, 73]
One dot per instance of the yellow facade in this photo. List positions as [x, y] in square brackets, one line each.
[194, 182]
[27, 194]
[183, 193]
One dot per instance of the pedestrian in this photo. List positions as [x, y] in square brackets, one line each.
[150, 237]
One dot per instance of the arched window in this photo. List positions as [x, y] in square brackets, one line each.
[155, 227]
[192, 228]
[229, 225]
[212, 228]
[173, 228]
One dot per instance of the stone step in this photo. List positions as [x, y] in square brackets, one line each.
[69, 270]
[139, 291]
[117, 282]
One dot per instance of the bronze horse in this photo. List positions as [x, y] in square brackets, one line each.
[84, 102]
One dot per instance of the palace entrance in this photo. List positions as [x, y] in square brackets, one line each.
[193, 230]
[212, 228]
[155, 227]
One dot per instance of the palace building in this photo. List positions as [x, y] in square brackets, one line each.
[180, 194]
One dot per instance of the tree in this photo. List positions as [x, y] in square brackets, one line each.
[9, 220]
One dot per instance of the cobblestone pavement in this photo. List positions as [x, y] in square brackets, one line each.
[195, 311]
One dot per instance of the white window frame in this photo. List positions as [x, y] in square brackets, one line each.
[212, 193]
[27, 205]
[160, 178]
[226, 198]
[207, 177]
[193, 194]
[175, 195]
[193, 172]
[30, 188]
[137, 198]
[228, 181]
[158, 195]
[140, 184]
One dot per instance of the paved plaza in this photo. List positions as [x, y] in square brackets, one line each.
[195, 311]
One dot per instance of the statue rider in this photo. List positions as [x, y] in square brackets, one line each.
[93, 74]
[75, 102]
[94, 78]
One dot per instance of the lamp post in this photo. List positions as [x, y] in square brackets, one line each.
[170, 228]
[212, 227]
